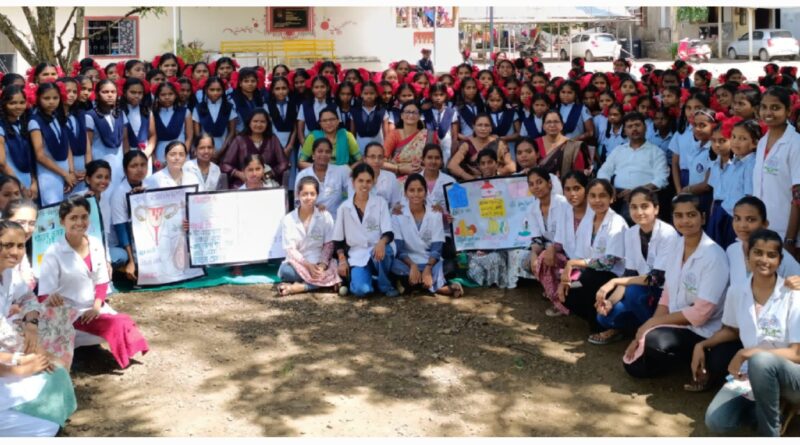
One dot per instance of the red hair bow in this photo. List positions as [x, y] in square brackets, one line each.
[76, 68]
[29, 75]
[121, 69]
[120, 82]
[722, 78]
[212, 68]
[675, 112]
[770, 68]
[393, 65]
[720, 116]
[641, 88]
[187, 72]
[30, 94]
[62, 91]
[156, 61]
[235, 79]
[357, 89]
[584, 80]
[685, 95]
[365, 75]
[627, 108]
[727, 126]
[614, 81]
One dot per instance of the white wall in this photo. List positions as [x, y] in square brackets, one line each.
[790, 20]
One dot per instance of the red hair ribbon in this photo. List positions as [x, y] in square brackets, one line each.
[120, 82]
[234, 80]
[62, 91]
[727, 126]
[30, 94]
[76, 68]
[121, 69]
[212, 68]
[770, 69]
[584, 80]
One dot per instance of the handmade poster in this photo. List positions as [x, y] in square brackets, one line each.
[490, 214]
[236, 226]
[161, 250]
[49, 230]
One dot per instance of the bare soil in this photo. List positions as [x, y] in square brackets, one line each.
[240, 361]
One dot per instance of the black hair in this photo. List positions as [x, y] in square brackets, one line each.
[345, 84]
[754, 202]
[97, 164]
[267, 132]
[321, 141]
[41, 67]
[356, 72]
[753, 128]
[684, 121]
[144, 108]
[168, 56]
[71, 203]
[579, 177]
[307, 180]
[6, 225]
[415, 177]
[229, 61]
[329, 64]
[202, 106]
[650, 195]
[400, 123]
[430, 147]
[203, 135]
[43, 88]
[487, 152]
[372, 144]
[606, 184]
[616, 106]
[765, 235]
[362, 168]
[687, 198]
[671, 123]
[324, 80]
[732, 71]
[633, 116]
[153, 73]
[5, 179]
[327, 110]
[8, 93]
[130, 156]
[17, 204]
[527, 140]
[574, 86]
[460, 99]
[161, 86]
[245, 73]
[191, 102]
[174, 144]
[9, 79]
[196, 64]
[783, 94]
[598, 75]
[543, 97]
[253, 157]
[130, 64]
[438, 87]
[101, 108]
[540, 172]
[553, 111]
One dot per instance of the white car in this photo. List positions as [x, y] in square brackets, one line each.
[592, 45]
[767, 44]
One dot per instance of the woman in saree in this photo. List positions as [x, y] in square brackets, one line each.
[404, 145]
[559, 154]
[463, 165]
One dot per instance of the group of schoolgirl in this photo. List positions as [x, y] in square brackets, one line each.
[364, 154]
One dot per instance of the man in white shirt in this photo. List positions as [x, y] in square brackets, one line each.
[635, 164]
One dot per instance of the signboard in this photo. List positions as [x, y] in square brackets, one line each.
[490, 214]
[162, 254]
[289, 19]
[236, 226]
[49, 230]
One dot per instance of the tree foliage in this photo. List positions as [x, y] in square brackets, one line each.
[42, 44]
[692, 14]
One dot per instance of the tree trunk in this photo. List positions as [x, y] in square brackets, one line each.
[74, 47]
[673, 24]
[13, 35]
[45, 33]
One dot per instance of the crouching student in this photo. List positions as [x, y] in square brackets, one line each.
[765, 316]
[690, 308]
[419, 237]
[74, 273]
[363, 234]
[308, 242]
[625, 303]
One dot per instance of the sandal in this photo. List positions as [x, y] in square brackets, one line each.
[458, 290]
[554, 312]
[605, 337]
[696, 386]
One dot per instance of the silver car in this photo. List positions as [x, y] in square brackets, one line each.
[591, 45]
[767, 44]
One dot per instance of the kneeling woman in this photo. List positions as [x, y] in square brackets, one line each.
[74, 273]
[765, 316]
[363, 234]
[690, 308]
[308, 242]
[419, 237]
[600, 253]
[626, 302]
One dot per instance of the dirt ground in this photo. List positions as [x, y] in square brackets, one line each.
[237, 361]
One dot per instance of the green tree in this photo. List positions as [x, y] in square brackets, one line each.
[692, 14]
[40, 44]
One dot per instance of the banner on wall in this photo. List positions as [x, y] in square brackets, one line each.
[490, 214]
[160, 241]
[235, 226]
[49, 230]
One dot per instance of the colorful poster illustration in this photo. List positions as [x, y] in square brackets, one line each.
[49, 230]
[490, 214]
[162, 252]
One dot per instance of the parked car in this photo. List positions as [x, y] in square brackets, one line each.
[767, 44]
[592, 45]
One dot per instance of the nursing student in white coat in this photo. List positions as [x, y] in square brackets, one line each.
[134, 164]
[776, 177]
[690, 308]
[307, 237]
[334, 180]
[175, 175]
[207, 172]
[386, 185]
[362, 236]
[74, 274]
[600, 253]
[419, 237]
[625, 303]
[764, 318]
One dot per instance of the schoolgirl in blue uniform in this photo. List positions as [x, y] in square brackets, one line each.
[611, 134]
[246, 97]
[368, 116]
[469, 105]
[76, 124]
[48, 130]
[215, 115]
[441, 117]
[345, 99]
[532, 108]
[107, 128]
[684, 146]
[140, 135]
[578, 124]
[171, 121]
[503, 118]
[15, 146]
[282, 116]
[723, 178]
[308, 113]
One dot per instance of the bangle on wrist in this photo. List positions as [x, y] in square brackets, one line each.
[15, 358]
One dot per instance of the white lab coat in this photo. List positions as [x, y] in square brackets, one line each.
[740, 275]
[436, 196]
[418, 241]
[703, 276]
[609, 240]
[12, 289]
[361, 236]
[662, 240]
[333, 190]
[211, 182]
[162, 179]
[547, 229]
[119, 204]
[308, 242]
[386, 186]
[566, 234]
[774, 177]
[65, 272]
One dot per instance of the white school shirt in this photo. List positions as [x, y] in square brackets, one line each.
[211, 182]
[386, 187]
[776, 326]
[119, 203]
[547, 229]
[65, 272]
[214, 109]
[662, 240]
[537, 121]
[700, 164]
[162, 179]
[309, 242]
[447, 141]
[301, 116]
[611, 142]
[632, 168]
[684, 145]
[566, 233]
[609, 240]
[774, 177]
[579, 127]
[361, 236]
[334, 189]
[740, 276]
[418, 240]
[703, 276]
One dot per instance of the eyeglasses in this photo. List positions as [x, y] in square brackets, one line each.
[26, 223]
[376, 157]
[411, 113]
[328, 120]
[552, 122]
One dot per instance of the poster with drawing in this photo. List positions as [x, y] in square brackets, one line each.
[49, 230]
[235, 226]
[161, 250]
[490, 214]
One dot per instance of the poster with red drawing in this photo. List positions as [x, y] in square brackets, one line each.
[162, 252]
[490, 214]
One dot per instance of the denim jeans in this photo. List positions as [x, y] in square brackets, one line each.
[119, 256]
[287, 274]
[361, 277]
[772, 377]
[633, 310]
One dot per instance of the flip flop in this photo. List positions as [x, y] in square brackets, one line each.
[603, 338]
[696, 386]
[458, 290]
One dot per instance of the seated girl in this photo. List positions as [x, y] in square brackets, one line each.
[333, 179]
[363, 234]
[207, 172]
[600, 253]
[74, 274]
[764, 317]
[419, 237]
[98, 178]
[257, 174]
[528, 158]
[24, 213]
[307, 236]
[690, 307]
[174, 175]
[10, 189]
[134, 164]
[386, 185]
[626, 302]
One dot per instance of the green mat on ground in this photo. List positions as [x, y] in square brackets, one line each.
[462, 279]
[216, 276]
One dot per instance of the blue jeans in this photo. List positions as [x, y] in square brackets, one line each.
[119, 256]
[772, 377]
[361, 277]
[287, 274]
[633, 310]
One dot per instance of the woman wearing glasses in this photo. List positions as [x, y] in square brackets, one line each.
[559, 154]
[403, 145]
[345, 147]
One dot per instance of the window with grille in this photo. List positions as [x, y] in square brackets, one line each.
[117, 40]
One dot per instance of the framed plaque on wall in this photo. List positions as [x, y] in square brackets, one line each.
[290, 19]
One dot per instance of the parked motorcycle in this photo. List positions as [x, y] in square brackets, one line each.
[693, 50]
